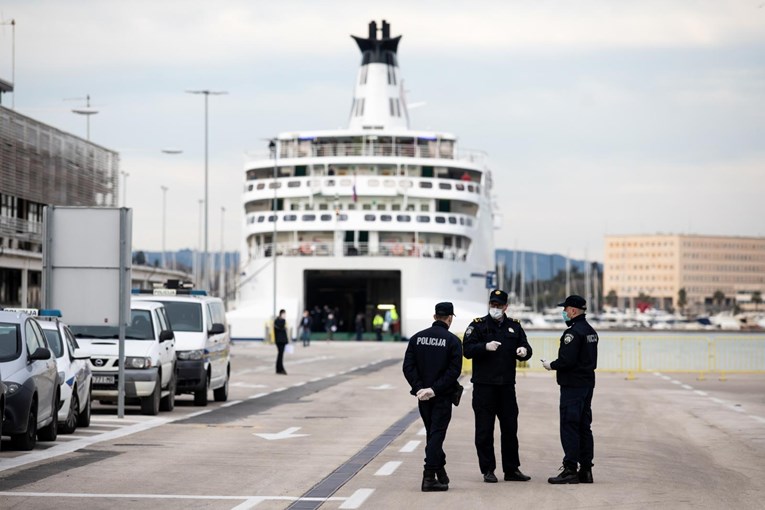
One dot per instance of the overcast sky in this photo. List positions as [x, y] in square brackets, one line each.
[599, 117]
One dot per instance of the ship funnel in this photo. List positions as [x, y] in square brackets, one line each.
[378, 98]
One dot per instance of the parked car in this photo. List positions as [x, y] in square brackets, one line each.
[149, 358]
[30, 374]
[203, 341]
[2, 401]
[74, 371]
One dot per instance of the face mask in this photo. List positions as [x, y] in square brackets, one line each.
[496, 313]
[564, 315]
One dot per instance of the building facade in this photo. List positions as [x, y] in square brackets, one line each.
[41, 165]
[711, 270]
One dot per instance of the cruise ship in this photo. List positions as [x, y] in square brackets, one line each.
[365, 218]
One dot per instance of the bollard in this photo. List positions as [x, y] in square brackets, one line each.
[630, 376]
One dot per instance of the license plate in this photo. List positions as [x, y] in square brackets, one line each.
[103, 379]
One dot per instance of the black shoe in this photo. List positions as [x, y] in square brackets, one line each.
[442, 476]
[516, 476]
[568, 475]
[585, 475]
[430, 484]
[283, 372]
[489, 477]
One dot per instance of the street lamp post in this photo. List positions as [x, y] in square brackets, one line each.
[274, 146]
[125, 175]
[222, 273]
[164, 223]
[197, 257]
[207, 94]
[87, 112]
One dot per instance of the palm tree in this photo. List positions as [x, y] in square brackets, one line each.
[682, 299]
[718, 298]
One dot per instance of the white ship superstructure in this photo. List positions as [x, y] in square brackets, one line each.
[374, 214]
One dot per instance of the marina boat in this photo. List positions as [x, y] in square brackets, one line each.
[367, 218]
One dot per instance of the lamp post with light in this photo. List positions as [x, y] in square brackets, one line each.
[207, 94]
[164, 223]
[273, 145]
[87, 112]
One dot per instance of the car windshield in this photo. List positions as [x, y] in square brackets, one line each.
[10, 341]
[184, 316]
[54, 341]
[139, 328]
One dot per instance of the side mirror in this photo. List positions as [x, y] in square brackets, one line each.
[217, 328]
[40, 354]
[166, 335]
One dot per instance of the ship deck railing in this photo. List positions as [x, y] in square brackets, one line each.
[382, 249]
[373, 149]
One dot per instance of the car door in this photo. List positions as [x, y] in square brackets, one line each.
[82, 366]
[43, 371]
[219, 344]
[166, 348]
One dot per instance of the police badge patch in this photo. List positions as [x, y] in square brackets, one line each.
[468, 331]
[511, 330]
[567, 339]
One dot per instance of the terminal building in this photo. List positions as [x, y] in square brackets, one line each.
[712, 270]
[41, 165]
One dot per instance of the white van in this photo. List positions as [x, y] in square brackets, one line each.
[202, 339]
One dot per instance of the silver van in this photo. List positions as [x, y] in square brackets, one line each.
[202, 339]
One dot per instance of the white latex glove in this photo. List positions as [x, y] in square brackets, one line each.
[493, 345]
[546, 364]
[426, 394]
[521, 352]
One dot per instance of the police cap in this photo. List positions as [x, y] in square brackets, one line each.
[498, 296]
[444, 309]
[575, 301]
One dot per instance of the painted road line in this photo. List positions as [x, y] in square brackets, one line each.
[250, 499]
[231, 403]
[702, 393]
[666, 378]
[686, 387]
[357, 499]
[676, 382]
[422, 432]
[757, 418]
[410, 446]
[388, 468]
[257, 395]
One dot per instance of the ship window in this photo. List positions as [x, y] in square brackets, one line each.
[342, 217]
[249, 187]
[405, 183]
[469, 222]
[389, 183]
[444, 185]
[323, 207]
[294, 207]
[309, 217]
[293, 184]
[272, 185]
[424, 207]
[423, 219]
[373, 183]
[366, 207]
[369, 217]
[345, 182]
[272, 217]
[261, 185]
[261, 219]
[404, 218]
[385, 217]
[351, 207]
[380, 207]
[290, 217]
[362, 106]
[390, 102]
[462, 221]
[326, 217]
[460, 187]
[471, 187]
[395, 207]
[398, 104]
[410, 207]
[426, 184]
[440, 219]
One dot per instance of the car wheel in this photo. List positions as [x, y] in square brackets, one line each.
[150, 405]
[83, 419]
[221, 394]
[200, 396]
[27, 440]
[70, 424]
[168, 402]
[50, 432]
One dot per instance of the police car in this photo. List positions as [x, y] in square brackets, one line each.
[149, 358]
[203, 341]
[73, 370]
[30, 375]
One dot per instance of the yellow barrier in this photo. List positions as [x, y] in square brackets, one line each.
[632, 354]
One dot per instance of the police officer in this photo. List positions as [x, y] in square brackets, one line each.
[495, 342]
[432, 365]
[575, 373]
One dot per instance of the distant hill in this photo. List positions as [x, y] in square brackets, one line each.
[547, 265]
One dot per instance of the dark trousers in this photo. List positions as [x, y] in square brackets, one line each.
[492, 401]
[378, 334]
[575, 421]
[280, 358]
[436, 414]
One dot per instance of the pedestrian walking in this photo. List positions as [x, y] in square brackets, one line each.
[432, 365]
[305, 328]
[377, 325]
[281, 341]
[495, 343]
[575, 374]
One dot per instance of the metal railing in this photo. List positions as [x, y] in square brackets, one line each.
[383, 249]
[631, 354]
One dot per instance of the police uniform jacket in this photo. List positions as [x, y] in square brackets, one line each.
[577, 354]
[433, 359]
[494, 367]
[280, 331]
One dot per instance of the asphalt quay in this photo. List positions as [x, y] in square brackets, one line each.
[662, 440]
